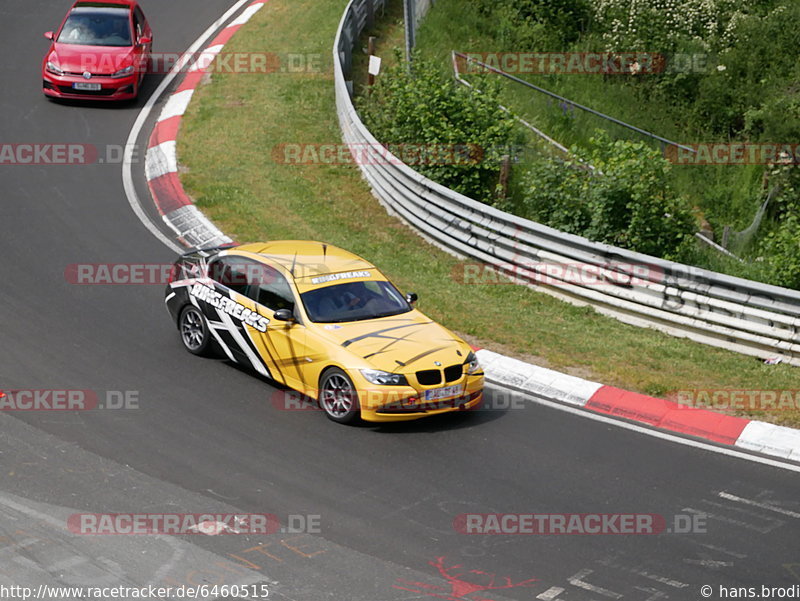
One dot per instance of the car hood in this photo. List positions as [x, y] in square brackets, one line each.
[98, 60]
[402, 344]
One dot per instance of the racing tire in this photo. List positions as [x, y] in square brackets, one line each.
[195, 333]
[338, 397]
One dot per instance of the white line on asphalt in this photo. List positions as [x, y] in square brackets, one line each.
[127, 172]
[730, 497]
[656, 433]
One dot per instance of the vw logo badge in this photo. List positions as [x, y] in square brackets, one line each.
[87, 75]
[437, 363]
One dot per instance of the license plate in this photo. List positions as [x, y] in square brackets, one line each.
[443, 393]
[88, 87]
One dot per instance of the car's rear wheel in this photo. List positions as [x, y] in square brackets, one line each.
[195, 333]
[338, 397]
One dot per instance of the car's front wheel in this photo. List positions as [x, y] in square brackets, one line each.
[338, 397]
[195, 333]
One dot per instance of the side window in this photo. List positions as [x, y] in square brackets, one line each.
[271, 290]
[138, 21]
[231, 272]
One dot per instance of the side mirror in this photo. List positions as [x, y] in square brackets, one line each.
[49, 35]
[145, 40]
[284, 315]
[412, 298]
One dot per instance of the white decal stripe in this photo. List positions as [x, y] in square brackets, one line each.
[216, 336]
[237, 336]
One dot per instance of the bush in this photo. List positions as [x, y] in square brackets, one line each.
[423, 109]
[781, 249]
[535, 25]
[626, 200]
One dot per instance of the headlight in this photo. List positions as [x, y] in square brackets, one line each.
[51, 67]
[473, 364]
[123, 72]
[384, 378]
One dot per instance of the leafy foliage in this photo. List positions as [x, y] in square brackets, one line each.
[623, 199]
[446, 131]
[535, 24]
[780, 248]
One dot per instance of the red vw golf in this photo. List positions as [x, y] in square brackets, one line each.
[100, 52]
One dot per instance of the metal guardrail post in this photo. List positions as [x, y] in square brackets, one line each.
[411, 27]
[370, 14]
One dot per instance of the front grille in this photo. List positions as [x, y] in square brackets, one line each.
[425, 407]
[429, 377]
[453, 373]
[100, 92]
[76, 74]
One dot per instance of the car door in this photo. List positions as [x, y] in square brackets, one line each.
[141, 30]
[231, 313]
[284, 343]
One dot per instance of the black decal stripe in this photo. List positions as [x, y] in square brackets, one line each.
[386, 346]
[379, 333]
[421, 355]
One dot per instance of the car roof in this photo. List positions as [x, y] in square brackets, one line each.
[105, 4]
[306, 258]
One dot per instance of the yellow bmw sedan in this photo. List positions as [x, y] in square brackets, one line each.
[324, 322]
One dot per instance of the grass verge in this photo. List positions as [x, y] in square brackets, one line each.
[227, 149]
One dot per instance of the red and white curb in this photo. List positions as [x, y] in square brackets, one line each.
[195, 230]
[161, 163]
[751, 435]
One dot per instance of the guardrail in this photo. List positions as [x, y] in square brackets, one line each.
[712, 308]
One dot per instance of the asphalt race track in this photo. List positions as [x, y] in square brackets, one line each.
[208, 437]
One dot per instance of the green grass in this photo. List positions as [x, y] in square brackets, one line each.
[226, 148]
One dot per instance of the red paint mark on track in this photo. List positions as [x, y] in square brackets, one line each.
[461, 585]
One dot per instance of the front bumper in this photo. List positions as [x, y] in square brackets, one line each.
[60, 86]
[394, 404]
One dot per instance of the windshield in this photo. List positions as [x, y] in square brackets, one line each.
[97, 27]
[354, 301]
